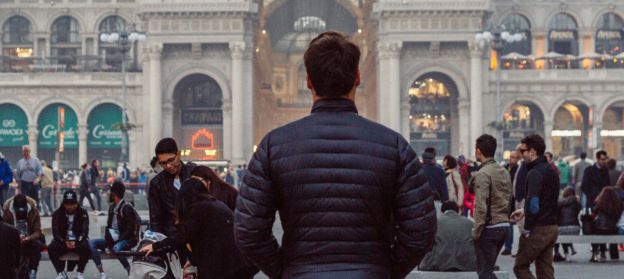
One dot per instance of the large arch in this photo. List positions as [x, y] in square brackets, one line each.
[180, 73]
[101, 17]
[598, 15]
[578, 19]
[507, 103]
[108, 100]
[68, 12]
[447, 69]
[521, 12]
[4, 18]
[564, 99]
[610, 101]
[355, 11]
[39, 107]
[21, 105]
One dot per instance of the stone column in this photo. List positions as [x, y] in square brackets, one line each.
[83, 134]
[405, 118]
[248, 93]
[227, 128]
[155, 96]
[237, 50]
[548, 127]
[389, 78]
[476, 95]
[596, 129]
[146, 152]
[464, 127]
[167, 114]
[33, 136]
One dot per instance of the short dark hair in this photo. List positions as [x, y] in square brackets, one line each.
[568, 192]
[153, 162]
[548, 154]
[166, 146]
[332, 62]
[583, 155]
[535, 142]
[487, 144]
[449, 205]
[431, 150]
[451, 163]
[611, 164]
[600, 153]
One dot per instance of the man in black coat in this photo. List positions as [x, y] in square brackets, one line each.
[70, 231]
[595, 178]
[339, 181]
[435, 176]
[11, 251]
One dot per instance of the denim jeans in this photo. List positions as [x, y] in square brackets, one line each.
[30, 190]
[95, 244]
[487, 248]
[46, 200]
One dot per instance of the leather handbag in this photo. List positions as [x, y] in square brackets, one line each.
[587, 223]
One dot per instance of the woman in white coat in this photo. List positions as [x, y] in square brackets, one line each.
[453, 181]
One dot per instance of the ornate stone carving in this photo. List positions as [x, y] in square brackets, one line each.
[476, 48]
[241, 50]
[390, 49]
[155, 52]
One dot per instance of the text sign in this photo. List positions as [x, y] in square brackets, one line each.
[202, 117]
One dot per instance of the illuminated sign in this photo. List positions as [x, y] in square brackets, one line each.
[557, 35]
[566, 133]
[609, 35]
[202, 117]
[202, 140]
[612, 133]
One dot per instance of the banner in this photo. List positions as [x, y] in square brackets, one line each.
[100, 121]
[47, 125]
[13, 126]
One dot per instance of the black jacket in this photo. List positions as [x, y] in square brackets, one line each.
[436, 179]
[94, 177]
[162, 199]
[85, 181]
[209, 231]
[10, 245]
[542, 194]
[60, 225]
[569, 209]
[594, 179]
[512, 169]
[125, 224]
[520, 181]
[338, 180]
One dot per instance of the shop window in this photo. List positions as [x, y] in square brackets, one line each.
[609, 39]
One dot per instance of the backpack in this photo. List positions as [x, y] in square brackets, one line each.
[137, 220]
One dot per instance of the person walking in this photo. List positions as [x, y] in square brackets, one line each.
[577, 175]
[568, 209]
[94, 189]
[512, 167]
[436, 178]
[29, 174]
[564, 169]
[125, 173]
[453, 181]
[85, 186]
[608, 210]
[11, 249]
[540, 227]
[338, 181]
[203, 222]
[47, 190]
[21, 212]
[6, 177]
[595, 178]
[492, 189]
[614, 173]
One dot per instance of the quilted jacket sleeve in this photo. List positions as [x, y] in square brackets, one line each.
[255, 214]
[414, 214]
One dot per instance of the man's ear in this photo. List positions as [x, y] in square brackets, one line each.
[309, 82]
[357, 79]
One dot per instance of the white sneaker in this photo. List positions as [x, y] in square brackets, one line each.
[102, 275]
[61, 275]
[79, 276]
[568, 258]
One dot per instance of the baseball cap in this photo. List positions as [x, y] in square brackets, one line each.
[70, 196]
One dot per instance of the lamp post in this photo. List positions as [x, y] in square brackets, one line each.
[124, 44]
[498, 38]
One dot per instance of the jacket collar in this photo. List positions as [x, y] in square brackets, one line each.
[334, 105]
[486, 163]
[539, 160]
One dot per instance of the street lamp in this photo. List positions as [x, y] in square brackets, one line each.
[124, 44]
[498, 38]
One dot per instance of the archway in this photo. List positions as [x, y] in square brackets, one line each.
[433, 113]
[103, 142]
[524, 118]
[612, 134]
[570, 129]
[47, 123]
[13, 132]
[198, 118]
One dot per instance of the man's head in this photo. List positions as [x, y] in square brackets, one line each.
[332, 63]
[432, 150]
[168, 155]
[532, 147]
[601, 158]
[449, 205]
[117, 192]
[449, 162]
[583, 155]
[611, 164]
[43, 163]
[70, 202]
[20, 206]
[549, 157]
[514, 157]
[154, 162]
[26, 151]
[95, 163]
[485, 148]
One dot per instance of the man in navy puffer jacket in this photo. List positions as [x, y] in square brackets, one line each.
[350, 192]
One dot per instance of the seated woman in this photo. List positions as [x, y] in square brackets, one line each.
[206, 225]
[608, 210]
[217, 187]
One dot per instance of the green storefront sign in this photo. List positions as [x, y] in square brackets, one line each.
[48, 129]
[13, 126]
[100, 121]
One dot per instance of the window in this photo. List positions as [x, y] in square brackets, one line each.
[66, 29]
[111, 55]
[562, 21]
[302, 81]
[516, 23]
[563, 39]
[113, 23]
[609, 39]
[201, 92]
[17, 30]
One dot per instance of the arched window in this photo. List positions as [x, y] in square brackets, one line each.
[563, 39]
[609, 38]
[200, 92]
[516, 23]
[66, 29]
[562, 21]
[304, 30]
[110, 54]
[17, 30]
[113, 23]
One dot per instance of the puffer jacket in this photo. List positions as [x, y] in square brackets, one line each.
[492, 186]
[162, 199]
[568, 209]
[32, 218]
[338, 180]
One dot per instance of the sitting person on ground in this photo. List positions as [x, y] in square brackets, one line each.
[120, 230]
[10, 247]
[70, 231]
[569, 208]
[453, 249]
[21, 212]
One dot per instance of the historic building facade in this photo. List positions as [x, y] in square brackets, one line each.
[218, 75]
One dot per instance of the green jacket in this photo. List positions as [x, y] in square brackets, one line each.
[491, 178]
[453, 248]
[565, 172]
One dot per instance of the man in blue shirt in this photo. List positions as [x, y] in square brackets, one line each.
[29, 174]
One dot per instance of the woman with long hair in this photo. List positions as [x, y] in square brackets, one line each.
[453, 181]
[568, 209]
[223, 191]
[608, 210]
[206, 225]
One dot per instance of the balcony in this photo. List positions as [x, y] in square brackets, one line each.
[61, 78]
[559, 75]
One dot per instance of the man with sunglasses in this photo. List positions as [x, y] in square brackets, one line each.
[164, 187]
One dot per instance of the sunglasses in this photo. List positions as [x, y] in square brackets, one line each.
[523, 150]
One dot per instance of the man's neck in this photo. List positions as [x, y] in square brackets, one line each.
[27, 157]
[485, 159]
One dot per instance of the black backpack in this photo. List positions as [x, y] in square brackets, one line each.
[137, 220]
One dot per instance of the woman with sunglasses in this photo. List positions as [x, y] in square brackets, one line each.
[206, 225]
[221, 190]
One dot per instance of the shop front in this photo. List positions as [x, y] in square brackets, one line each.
[13, 132]
[104, 142]
[47, 140]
